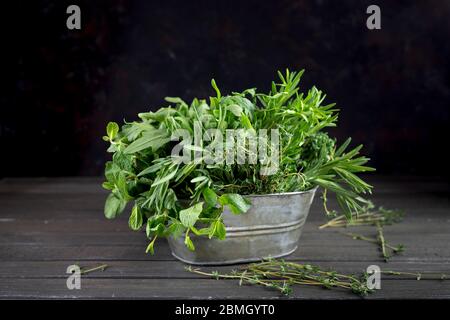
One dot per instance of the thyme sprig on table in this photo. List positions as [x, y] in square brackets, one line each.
[369, 216]
[86, 270]
[381, 242]
[282, 275]
[418, 275]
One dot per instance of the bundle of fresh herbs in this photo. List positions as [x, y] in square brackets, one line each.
[178, 195]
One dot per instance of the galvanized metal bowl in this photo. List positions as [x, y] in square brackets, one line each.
[270, 228]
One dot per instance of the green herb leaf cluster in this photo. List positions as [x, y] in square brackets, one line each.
[180, 198]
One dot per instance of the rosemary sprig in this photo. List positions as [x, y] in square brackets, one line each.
[282, 275]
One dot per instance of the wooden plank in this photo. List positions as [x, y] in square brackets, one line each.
[408, 235]
[326, 252]
[204, 289]
[176, 270]
[47, 224]
[48, 206]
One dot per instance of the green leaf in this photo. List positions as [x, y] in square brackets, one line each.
[121, 184]
[155, 225]
[153, 168]
[198, 179]
[342, 148]
[176, 229]
[135, 221]
[166, 178]
[112, 129]
[189, 216]
[235, 109]
[246, 122]
[235, 202]
[150, 139]
[150, 248]
[158, 116]
[112, 171]
[108, 185]
[114, 206]
[210, 197]
[214, 85]
[188, 242]
[123, 161]
[176, 100]
[218, 230]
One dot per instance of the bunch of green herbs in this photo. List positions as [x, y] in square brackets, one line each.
[173, 198]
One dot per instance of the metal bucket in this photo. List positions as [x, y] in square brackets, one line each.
[270, 228]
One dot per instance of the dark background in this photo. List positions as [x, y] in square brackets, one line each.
[60, 87]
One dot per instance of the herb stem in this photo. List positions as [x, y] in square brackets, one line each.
[101, 267]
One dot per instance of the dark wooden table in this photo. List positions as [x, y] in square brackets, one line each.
[48, 224]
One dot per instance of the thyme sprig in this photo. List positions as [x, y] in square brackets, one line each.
[418, 275]
[282, 275]
[87, 270]
[381, 242]
[368, 217]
